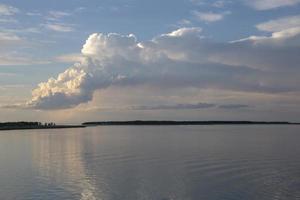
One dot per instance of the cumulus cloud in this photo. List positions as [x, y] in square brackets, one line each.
[210, 16]
[180, 59]
[270, 4]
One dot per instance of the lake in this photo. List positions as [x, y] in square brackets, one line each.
[152, 163]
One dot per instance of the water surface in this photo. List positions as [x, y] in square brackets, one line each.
[152, 163]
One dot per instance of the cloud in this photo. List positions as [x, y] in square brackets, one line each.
[33, 14]
[9, 56]
[216, 4]
[8, 10]
[9, 39]
[8, 20]
[280, 24]
[56, 15]
[180, 59]
[209, 16]
[233, 106]
[198, 2]
[276, 51]
[9, 59]
[179, 106]
[270, 4]
[175, 107]
[59, 27]
[70, 58]
[184, 22]
[221, 3]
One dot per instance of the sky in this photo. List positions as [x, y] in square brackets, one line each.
[82, 60]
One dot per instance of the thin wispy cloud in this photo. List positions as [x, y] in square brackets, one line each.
[8, 39]
[233, 106]
[280, 24]
[8, 20]
[8, 10]
[210, 17]
[216, 3]
[70, 58]
[175, 107]
[33, 14]
[270, 4]
[17, 59]
[59, 27]
[56, 15]
[184, 22]
[221, 3]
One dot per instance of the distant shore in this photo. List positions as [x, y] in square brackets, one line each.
[27, 128]
[37, 125]
[34, 125]
[172, 123]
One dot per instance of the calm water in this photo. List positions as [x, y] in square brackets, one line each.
[152, 162]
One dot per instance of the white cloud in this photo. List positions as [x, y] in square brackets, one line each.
[184, 22]
[284, 32]
[209, 16]
[280, 24]
[221, 3]
[8, 10]
[281, 38]
[59, 27]
[9, 38]
[10, 41]
[17, 59]
[8, 20]
[216, 4]
[56, 15]
[180, 59]
[184, 32]
[70, 58]
[270, 4]
[198, 2]
[33, 14]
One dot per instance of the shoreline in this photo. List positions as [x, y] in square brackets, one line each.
[31, 128]
[147, 123]
[176, 123]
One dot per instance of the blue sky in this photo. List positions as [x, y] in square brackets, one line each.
[42, 39]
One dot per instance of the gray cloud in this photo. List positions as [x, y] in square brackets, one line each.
[233, 106]
[175, 107]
